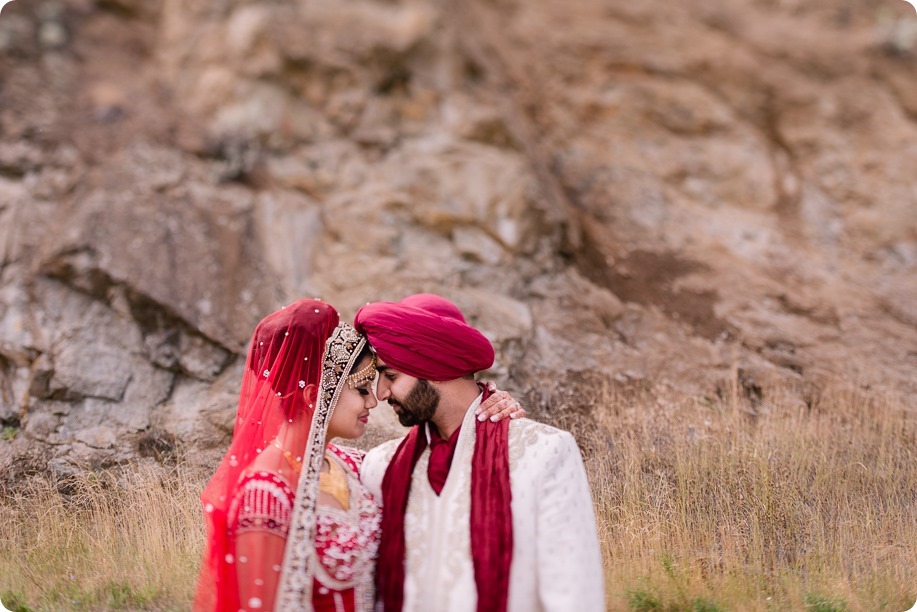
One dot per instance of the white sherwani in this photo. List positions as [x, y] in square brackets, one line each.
[557, 565]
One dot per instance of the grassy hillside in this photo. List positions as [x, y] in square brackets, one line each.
[767, 503]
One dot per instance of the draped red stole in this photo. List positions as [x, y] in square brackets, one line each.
[491, 520]
[442, 452]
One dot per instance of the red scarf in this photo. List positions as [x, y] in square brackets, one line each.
[491, 520]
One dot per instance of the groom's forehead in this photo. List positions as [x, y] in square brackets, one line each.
[381, 367]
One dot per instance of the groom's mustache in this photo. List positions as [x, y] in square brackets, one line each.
[395, 404]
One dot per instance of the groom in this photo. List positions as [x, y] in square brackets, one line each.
[476, 515]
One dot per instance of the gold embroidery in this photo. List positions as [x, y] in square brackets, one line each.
[524, 433]
[334, 483]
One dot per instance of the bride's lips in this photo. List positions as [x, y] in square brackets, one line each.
[365, 418]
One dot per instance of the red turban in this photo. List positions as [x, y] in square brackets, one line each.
[424, 336]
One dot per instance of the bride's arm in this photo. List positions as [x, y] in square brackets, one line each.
[261, 531]
[259, 557]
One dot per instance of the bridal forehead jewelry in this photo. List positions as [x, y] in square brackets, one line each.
[361, 376]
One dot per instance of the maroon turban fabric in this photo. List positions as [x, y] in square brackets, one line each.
[424, 336]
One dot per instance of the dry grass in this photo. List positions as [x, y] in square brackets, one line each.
[131, 541]
[768, 503]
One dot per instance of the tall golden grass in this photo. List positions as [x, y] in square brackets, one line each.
[767, 503]
[127, 541]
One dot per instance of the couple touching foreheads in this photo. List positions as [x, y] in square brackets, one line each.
[463, 513]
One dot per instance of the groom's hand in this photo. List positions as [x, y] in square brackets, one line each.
[500, 405]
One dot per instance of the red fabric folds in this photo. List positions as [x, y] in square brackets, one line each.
[442, 452]
[491, 514]
[425, 336]
[282, 371]
[328, 600]
[490, 521]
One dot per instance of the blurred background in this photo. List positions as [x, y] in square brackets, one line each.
[696, 200]
[652, 194]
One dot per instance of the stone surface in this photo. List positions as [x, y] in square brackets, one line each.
[643, 194]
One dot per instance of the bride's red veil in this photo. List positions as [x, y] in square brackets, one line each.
[283, 371]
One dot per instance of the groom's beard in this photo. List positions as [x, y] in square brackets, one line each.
[419, 406]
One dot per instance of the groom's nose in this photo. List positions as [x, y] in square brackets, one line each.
[382, 390]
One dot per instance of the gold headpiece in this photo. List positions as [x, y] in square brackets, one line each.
[367, 373]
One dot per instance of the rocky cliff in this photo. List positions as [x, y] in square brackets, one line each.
[662, 195]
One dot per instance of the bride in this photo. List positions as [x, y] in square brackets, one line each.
[289, 525]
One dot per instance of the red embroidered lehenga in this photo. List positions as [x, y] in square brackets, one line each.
[270, 545]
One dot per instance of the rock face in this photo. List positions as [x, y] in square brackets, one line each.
[635, 193]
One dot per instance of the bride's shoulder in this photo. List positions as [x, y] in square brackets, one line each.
[350, 455]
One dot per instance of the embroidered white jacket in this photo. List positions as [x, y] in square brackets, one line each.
[557, 565]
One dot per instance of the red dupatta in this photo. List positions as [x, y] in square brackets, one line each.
[276, 405]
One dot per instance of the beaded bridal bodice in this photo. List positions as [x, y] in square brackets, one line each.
[347, 541]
